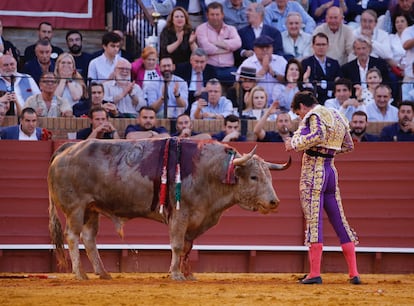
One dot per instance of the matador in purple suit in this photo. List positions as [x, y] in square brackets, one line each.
[322, 134]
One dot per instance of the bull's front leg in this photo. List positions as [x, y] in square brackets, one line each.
[185, 261]
[177, 234]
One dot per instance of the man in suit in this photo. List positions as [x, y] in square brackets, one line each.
[255, 15]
[26, 130]
[324, 70]
[196, 73]
[356, 70]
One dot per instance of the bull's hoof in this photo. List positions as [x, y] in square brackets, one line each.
[105, 276]
[190, 277]
[81, 276]
[178, 276]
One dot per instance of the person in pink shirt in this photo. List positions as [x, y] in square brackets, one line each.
[219, 40]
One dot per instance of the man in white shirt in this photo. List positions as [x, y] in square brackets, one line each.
[382, 110]
[124, 93]
[296, 42]
[101, 68]
[343, 101]
[270, 67]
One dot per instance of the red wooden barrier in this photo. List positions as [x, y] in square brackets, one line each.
[376, 187]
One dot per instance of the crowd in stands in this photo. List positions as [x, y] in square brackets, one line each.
[230, 60]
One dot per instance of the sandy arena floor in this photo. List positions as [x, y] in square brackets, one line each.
[209, 289]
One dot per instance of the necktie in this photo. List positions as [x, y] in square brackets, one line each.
[199, 82]
[166, 98]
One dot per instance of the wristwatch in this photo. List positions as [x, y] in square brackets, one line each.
[177, 96]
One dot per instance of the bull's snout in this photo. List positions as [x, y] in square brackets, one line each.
[274, 203]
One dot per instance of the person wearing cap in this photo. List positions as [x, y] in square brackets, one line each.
[240, 91]
[270, 67]
[219, 40]
[256, 28]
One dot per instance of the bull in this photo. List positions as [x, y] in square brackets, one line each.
[127, 179]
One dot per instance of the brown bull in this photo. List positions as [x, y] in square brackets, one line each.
[124, 180]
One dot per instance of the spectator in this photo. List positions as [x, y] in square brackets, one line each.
[124, 93]
[380, 40]
[240, 91]
[231, 130]
[42, 61]
[403, 130]
[100, 69]
[96, 99]
[270, 67]
[235, 13]
[295, 79]
[184, 129]
[381, 109]
[18, 86]
[177, 39]
[196, 10]
[343, 101]
[283, 126]
[398, 51]
[146, 70]
[359, 124]
[256, 104]
[47, 104]
[196, 73]
[74, 40]
[296, 43]
[170, 88]
[340, 35]
[277, 12]
[356, 70]
[373, 79]
[101, 127]
[146, 127]
[26, 130]
[214, 106]
[219, 40]
[121, 52]
[7, 47]
[405, 7]
[44, 32]
[256, 28]
[319, 9]
[138, 26]
[324, 70]
[70, 83]
[407, 87]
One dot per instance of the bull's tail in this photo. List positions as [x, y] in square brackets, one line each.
[56, 234]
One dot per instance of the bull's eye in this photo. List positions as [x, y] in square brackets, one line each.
[254, 178]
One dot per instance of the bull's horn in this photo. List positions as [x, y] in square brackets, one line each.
[280, 166]
[240, 161]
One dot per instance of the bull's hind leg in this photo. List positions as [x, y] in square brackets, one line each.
[74, 224]
[89, 232]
